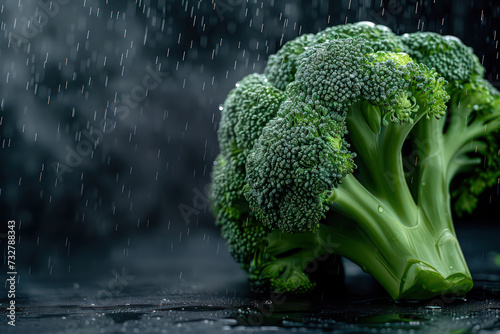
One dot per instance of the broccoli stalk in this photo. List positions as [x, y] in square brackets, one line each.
[408, 245]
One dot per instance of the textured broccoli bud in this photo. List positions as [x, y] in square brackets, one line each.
[378, 37]
[298, 159]
[393, 82]
[248, 107]
[331, 73]
[452, 59]
[259, 105]
[282, 66]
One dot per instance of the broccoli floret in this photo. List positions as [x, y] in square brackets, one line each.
[321, 152]
[249, 106]
[259, 105]
[454, 61]
[229, 204]
[378, 37]
[322, 73]
[286, 274]
[282, 66]
[300, 156]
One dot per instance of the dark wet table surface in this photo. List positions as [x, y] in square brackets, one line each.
[195, 287]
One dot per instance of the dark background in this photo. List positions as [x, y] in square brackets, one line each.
[144, 182]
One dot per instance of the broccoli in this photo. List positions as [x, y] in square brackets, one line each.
[348, 146]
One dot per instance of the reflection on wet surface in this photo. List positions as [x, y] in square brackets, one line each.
[212, 314]
[146, 293]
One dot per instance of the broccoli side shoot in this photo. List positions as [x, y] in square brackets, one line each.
[471, 130]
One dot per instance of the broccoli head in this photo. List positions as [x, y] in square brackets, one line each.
[349, 145]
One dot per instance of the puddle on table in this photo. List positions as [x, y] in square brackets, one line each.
[334, 317]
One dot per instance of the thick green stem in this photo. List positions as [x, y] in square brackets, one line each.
[378, 149]
[443, 156]
[461, 162]
[408, 245]
[460, 135]
[411, 261]
[432, 182]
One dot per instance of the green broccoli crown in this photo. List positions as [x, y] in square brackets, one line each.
[313, 149]
[301, 154]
